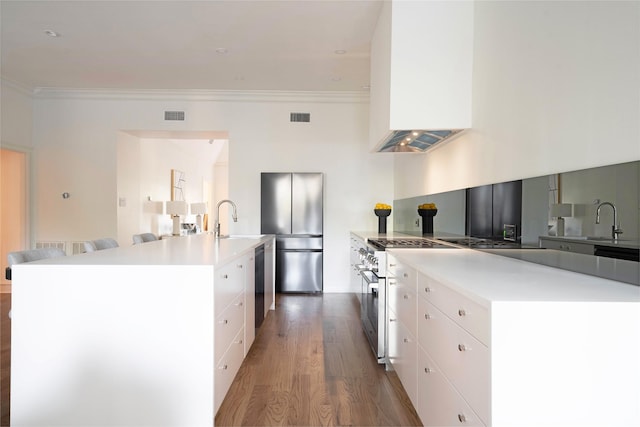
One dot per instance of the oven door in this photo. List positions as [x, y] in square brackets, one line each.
[372, 311]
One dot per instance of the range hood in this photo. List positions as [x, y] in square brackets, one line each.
[415, 141]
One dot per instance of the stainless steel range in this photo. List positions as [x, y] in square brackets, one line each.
[373, 299]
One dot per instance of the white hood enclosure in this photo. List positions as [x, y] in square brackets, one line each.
[421, 73]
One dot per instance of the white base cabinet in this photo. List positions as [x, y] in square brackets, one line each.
[503, 342]
[149, 334]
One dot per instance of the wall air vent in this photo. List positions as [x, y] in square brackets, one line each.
[301, 117]
[174, 115]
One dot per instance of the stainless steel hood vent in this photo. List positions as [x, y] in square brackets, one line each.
[415, 141]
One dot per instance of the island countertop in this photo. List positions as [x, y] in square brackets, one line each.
[485, 277]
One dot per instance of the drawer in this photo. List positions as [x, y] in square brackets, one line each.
[403, 301]
[439, 404]
[400, 270]
[464, 360]
[467, 313]
[227, 368]
[227, 326]
[228, 283]
[402, 355]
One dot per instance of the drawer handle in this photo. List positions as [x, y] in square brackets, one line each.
[462, 313]
[427, 289]
[392, 320]
[427, 316]
[225, 276]
[239, 304]
[238, 342]
[392, 282]
[462, 418]
[223, 367]
[406, 296]
[239, 265]
[405, 275]
[405, 340]
[462, 347]
[428, 370]
[223, 322]
[391, 265]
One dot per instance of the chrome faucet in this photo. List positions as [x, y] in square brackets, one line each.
[216, 226]
[615, 229]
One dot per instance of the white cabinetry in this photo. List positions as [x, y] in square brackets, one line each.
[503, 342]
[355, 279]
[234, 289]
[447, 344]
[402, 323]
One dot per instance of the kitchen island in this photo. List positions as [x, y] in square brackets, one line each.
[151, 334]
[482, 339]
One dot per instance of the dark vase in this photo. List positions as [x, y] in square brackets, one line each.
[382, 215]
[427, 219]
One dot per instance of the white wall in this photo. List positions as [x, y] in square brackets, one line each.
[556, 88]
[76, 138]
[16, 116]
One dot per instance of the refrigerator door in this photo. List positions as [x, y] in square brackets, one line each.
[275, 203]
[299, 271]
[306, 203]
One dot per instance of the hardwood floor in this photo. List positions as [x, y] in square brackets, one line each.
[311, 365]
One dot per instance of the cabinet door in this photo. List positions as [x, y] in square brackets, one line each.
[402, 354]
[226, 369]
[439, 404]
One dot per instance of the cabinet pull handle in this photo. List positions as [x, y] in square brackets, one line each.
[427, 289]
[223, 322]
[406, 296]
[462, 418]
[427, 316]
[223, 367]
[391, 265]
[239, 304]
[427, 370]
[462, 313]
[392, 282]
[225, 276]
[405, 275]
[239, 265]
[392, 320]
[405, 340]
[462, 347]
[238, 342]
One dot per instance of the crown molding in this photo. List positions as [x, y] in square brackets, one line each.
[204, 95]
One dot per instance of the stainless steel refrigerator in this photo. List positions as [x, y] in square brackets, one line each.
[291, 208]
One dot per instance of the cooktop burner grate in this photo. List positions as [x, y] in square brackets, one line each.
[383, 244]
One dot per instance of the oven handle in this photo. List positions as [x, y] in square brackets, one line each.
[369, 276]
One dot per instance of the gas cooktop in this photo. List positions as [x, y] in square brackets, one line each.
[480, 243]
[382, 244]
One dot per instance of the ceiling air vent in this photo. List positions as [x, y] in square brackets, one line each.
[174, 115]
[301, 117]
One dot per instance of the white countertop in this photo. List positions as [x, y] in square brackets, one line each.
[487, 278]
[197, 249]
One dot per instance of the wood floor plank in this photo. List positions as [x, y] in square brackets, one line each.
[311, 365]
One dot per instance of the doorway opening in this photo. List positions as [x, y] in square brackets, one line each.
[13, 207]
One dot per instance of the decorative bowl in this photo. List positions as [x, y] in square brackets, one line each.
[382, 212]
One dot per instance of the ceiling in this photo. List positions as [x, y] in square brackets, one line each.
[293, 45]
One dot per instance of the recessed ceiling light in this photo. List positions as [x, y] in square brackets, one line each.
[222, 50]
[52, 33]
[340, 52]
